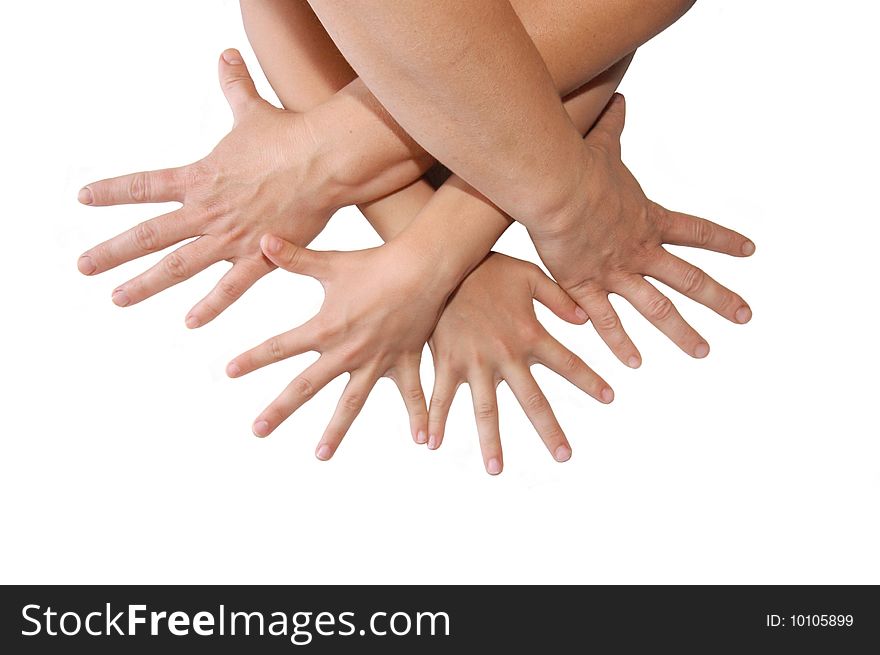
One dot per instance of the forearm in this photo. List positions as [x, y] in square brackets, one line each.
[455, 111]
[460, 225]
[576, 39]
[305, 69]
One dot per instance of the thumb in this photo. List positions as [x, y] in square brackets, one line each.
[294, 258]
[236, 82]
[551, 295]
[609, 126]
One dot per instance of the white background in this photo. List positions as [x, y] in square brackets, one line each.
[127, 454]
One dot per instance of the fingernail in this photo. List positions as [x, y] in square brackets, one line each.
[748, 248]
[421, 437]
[85, 196]
[323, 453]
[261, 428]
[120, 298]
[273, 244]
[231, 57]
[701, 350]
[493, 466]
[232, 370]
[433, 442]
[743, 315]
[192, 322]
[562, 454]
[86, 266]
[580, 313]
[607, 395]
[633, 362]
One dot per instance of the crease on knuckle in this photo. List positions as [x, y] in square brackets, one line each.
[352, 402]
[606, 322]
[175, 266]
[413, 395]
[572, 363]
[439, 403]
[660, 308]
[145, 236]
[139, 187]
[536, 402]
[228, 290]
[694, 280]
[276, 349]
[553, 435]
[485, 411]
[703, 232]
[303, 387]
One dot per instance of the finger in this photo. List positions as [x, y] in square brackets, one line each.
[562, 361]
[150, 236]
[293, 258]
[660, 311]
[686, 230]
[697, 285]
[486, 413]
[289, 344]
[237, 83]
[241, 277]
[164, 185]
[537, 408]
[609, 126]
[173, 268]
[350, 404]
[445, 386]
[304, 386]
[607, 324]
[551, 295]
[406, 377]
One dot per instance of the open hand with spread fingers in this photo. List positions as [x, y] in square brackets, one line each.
[264, 176]
[612, 237]
[379, 309]
[489, 332]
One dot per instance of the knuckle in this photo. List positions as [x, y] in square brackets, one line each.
[276, 348]
[193, 174]
[703, 232]
[694, 280]
[553, 434]
[303, 387]
[660, 308]
[175, 266]
[228, 290]
[536, 402]
[486, 411]
[414, 395]
[529, 332]
[139, 187]
[145, 236]
[352, 402]
[440, 403]
[607, 321]
[572, 363]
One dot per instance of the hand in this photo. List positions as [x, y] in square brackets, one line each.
[262, 177]
[380, 307]
[489, 333]
[613, 238]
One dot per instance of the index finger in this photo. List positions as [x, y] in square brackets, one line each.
[163, 185]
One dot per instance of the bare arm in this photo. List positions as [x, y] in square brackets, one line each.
[443, 73]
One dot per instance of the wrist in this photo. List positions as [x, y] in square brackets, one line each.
[566, 207]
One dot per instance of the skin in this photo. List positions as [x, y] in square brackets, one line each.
[454, 246]
[591, 223]
[468, 344]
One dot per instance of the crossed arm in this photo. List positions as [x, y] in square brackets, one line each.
[334, 166]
